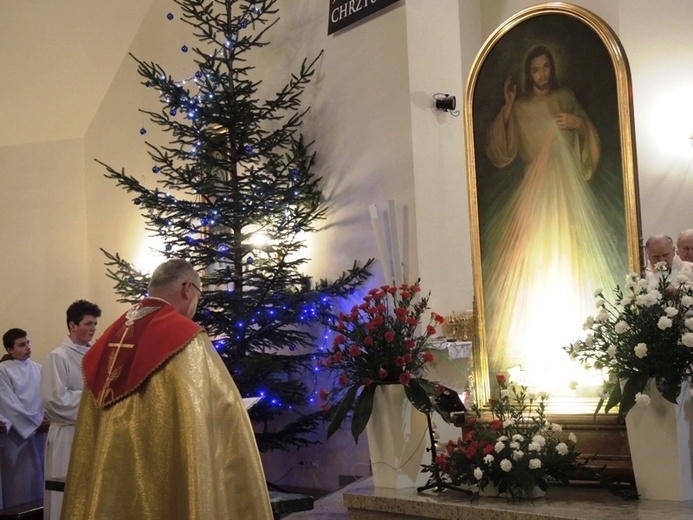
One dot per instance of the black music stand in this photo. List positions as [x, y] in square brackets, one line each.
[446, 403]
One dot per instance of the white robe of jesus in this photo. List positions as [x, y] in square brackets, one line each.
[61, 391]
[22, 459]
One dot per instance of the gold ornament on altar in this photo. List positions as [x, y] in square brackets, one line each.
[461, 325]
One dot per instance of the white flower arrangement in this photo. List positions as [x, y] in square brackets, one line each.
[645, 334]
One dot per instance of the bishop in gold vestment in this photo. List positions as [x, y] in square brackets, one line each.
[162, 432]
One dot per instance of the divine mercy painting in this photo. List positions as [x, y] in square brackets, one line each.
[551, 191]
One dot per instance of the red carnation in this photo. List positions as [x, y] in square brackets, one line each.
[471, 420]
[431, 330]
[438, 318]
[367, 381]
[488, 448]
[368, 340]
[401, 311]
[339, 339]
[440, 389]
[409, 343]
[392, 290]
[469, 435]
[412, 321]
[382, 373]
[323, 395]
[399, 361]
[472, 449]
[406, 295]
[428, 357]
[500, 378]
[343, 380]
[338, 356]
[407, 358]
[325, 406]
[354, 351]
[389, 336]
[405, 378]
[496, 425]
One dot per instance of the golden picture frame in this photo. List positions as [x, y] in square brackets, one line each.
[553, 195]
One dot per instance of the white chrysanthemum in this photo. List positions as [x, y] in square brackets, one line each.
[500, 446]
[556, 428]
[682, 278]
[640, 350]
[531, 396]
[504, 393]
[664, 323]
[642, 285]
[506, 465]
[602, 395]
[598, 291]
[688, 322]
[508, 422]
[518, 438]
[502, 438]
[642, 399]
[572, 437]
[533, 446]
[518, 454]
[534, 463]
[573, 385]
[589, 340]
[661, 267]
[589, 322]
[611, 351]
[621, 327]
[671, 311]
[488, 459]
[562, 448]
[542, 395]
[514, 445]
[478, 473]
[601, 316]
[626, 300]
[687, 339]
[539, 439]
[599, 303]
[686, 300]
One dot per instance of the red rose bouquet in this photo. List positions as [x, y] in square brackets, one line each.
[379, 343]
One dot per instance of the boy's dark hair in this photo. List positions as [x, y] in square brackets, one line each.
[12, 335]
[79, 309]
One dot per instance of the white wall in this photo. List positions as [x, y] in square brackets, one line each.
[43, 252]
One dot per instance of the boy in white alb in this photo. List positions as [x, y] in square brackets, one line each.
[20, 403]
[61, 391]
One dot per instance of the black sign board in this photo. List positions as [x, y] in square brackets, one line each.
[345, 12]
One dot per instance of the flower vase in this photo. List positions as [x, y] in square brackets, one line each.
[396, 438]
[659, 436]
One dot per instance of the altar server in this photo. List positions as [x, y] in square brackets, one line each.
[20, 403]
[61, 390]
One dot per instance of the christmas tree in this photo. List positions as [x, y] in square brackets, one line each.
[235, 196]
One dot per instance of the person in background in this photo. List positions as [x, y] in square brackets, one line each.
[20, 404]
[660, 248]
[162, 432]
[684, 245]
[61, 390]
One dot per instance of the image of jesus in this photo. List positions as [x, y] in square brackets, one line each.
[548, 247]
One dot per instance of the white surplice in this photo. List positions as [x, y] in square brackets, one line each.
[61, 391]
[22, 458]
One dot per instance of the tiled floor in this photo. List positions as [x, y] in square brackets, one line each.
[561, 502]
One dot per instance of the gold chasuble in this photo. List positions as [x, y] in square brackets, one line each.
[162, 432]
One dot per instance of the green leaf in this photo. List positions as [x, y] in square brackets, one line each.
[614, 398]
[362, 411]
[339, 412]
[635, 383]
